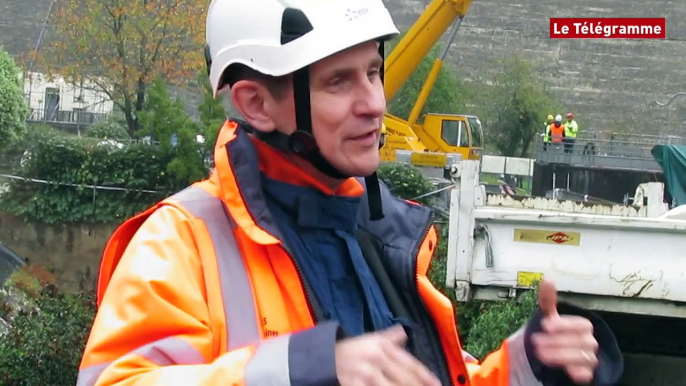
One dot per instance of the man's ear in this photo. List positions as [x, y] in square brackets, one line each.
[249, 98]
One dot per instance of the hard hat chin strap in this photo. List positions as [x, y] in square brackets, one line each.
[302, 141]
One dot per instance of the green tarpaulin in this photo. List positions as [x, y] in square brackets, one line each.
[672, 159]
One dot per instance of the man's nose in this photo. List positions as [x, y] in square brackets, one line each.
[371, 100]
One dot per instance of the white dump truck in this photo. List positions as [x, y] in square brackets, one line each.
[628, 263]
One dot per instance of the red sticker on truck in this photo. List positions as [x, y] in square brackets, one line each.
[543, 236]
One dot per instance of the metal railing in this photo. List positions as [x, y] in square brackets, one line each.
[620, 151]
[65, 117]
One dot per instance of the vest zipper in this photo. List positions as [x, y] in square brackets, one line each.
[427, 322]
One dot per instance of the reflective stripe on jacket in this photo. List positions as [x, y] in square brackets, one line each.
[203, 280]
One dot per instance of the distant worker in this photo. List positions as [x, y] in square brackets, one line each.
[556, 131]
[571, 130]
[546, 128]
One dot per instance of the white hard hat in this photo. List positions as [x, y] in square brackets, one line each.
[281, 37]
[558, 118]
[278, 37]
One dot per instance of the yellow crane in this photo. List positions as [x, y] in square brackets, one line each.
[438, 133]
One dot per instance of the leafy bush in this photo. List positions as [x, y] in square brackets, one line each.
[166, 120]
[55, 158]
[108, 129]
[495, 321]
[48, 333]
[405, 181]
[13, 109]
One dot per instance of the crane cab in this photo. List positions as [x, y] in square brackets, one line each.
[453, 133]
[437, 134]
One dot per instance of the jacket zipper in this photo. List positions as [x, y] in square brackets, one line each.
[428, 321]
[306, 288]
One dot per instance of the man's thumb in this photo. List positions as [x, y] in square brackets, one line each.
[547, 299]
[395, 334]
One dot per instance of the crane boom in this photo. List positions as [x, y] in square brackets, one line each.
[418, 41]
[439, 133]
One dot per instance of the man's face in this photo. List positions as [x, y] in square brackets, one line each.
[348, 105]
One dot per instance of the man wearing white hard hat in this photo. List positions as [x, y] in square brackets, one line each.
[292, 264]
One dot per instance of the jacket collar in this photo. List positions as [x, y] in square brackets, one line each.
[238, 161]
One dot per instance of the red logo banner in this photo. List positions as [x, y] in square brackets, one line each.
[607, 28]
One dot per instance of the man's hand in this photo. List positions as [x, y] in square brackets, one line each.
[567, 341]
[379, 359]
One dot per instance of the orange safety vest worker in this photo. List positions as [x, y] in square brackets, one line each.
[556, 132]
[202, 280]
[225, 304]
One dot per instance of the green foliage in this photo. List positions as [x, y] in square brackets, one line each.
[498, 320]
[438, 268]
[108, 129]
[212, 114]
[52, 157]
[514, 106]
[13, 109]
[405, 181]
[165, 119]
[47, 336]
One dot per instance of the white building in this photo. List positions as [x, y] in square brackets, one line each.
[56, 100]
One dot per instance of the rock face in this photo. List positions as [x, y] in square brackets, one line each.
[607, 83]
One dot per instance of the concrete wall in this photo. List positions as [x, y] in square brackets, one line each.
[72, 252]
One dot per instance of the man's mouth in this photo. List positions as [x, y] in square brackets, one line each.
[365, 139]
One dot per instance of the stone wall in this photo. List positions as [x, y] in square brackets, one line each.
[71, 252]
[607, 83]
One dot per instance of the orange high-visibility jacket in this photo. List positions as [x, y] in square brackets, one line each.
[205, 293]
